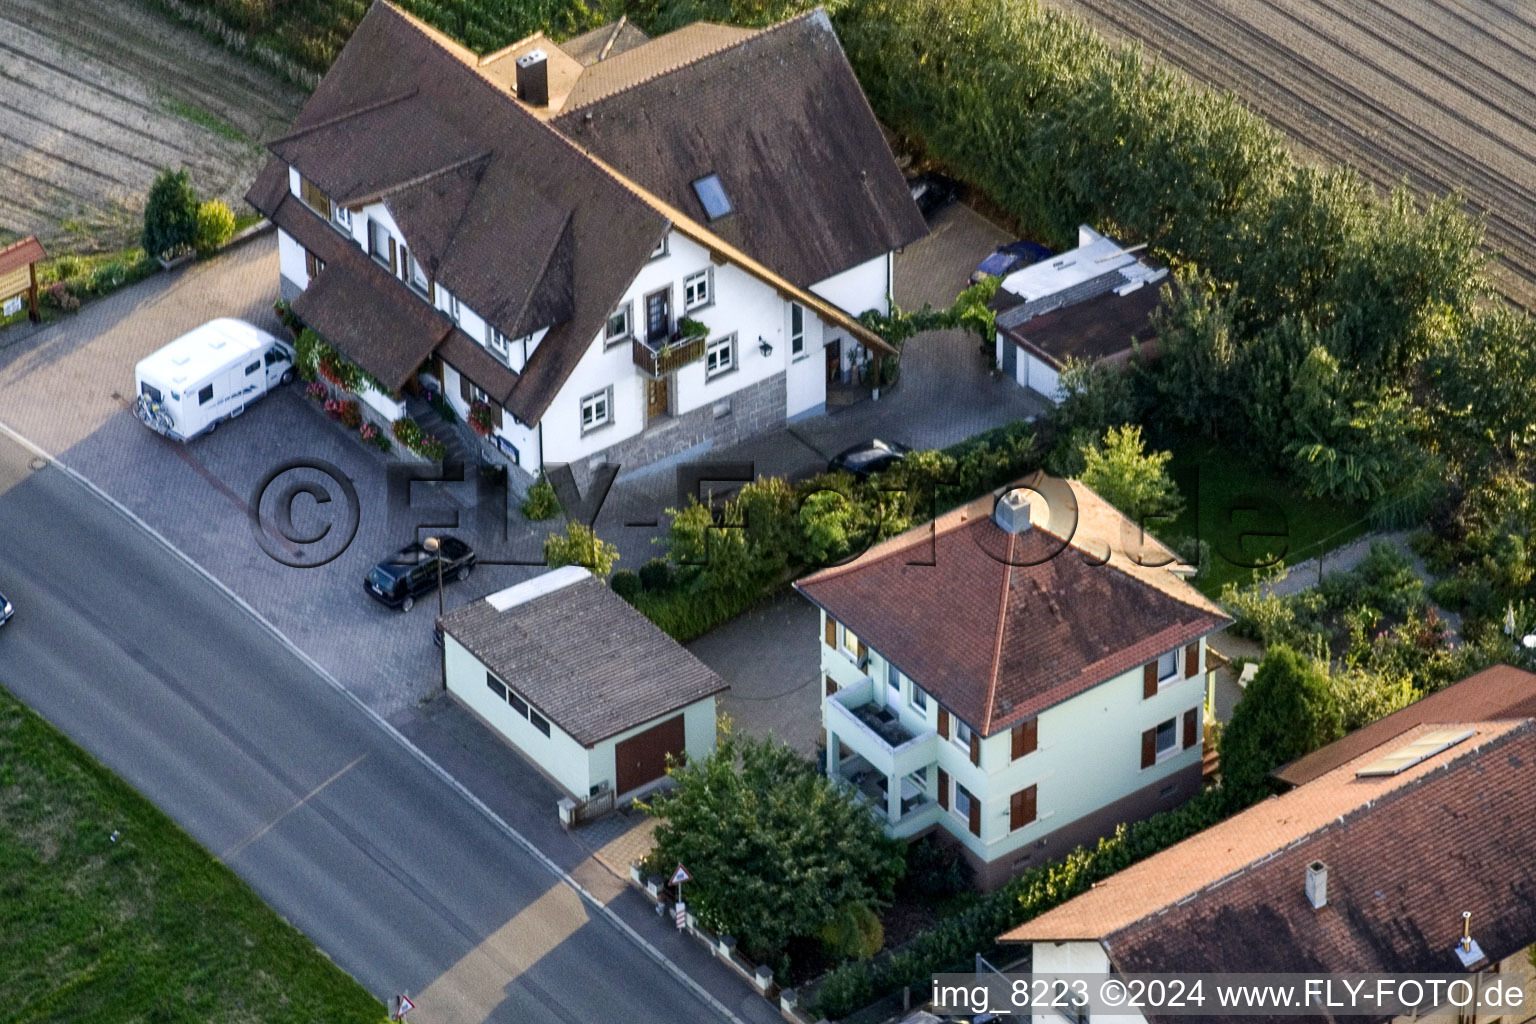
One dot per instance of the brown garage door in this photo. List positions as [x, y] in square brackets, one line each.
[642, 758]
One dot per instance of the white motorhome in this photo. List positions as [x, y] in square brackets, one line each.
[208, 375]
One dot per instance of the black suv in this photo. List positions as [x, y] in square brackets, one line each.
[412, 571]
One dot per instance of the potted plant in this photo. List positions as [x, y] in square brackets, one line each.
[481, 419]
[688, 328]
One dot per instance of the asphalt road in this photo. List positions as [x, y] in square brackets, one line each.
[338, 826]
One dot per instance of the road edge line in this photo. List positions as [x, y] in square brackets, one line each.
[656, 955]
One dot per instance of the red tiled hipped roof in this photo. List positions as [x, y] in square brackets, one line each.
[998, 627]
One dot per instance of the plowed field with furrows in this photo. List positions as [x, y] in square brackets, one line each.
[96, 96]
[1441, 93]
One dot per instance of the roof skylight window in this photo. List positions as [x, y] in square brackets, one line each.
[712, 194]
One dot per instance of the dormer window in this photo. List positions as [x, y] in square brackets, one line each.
[342, 218]
[416, 275]
[712, 196]
[496, 341]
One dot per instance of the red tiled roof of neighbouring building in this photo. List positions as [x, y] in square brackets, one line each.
[998, 627]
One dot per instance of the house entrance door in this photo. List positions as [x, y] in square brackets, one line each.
[834, 361]
[656, 395]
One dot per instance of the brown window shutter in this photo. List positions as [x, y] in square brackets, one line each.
[831, 686]
[1192, 659]
[831, 635]
[944, 789]
[1021, 808]
[1149, 748]
[975, 747]
[975, 821]
[432, 291]
[1149, 680]
[863, 650]
[394, 265]
[1026, 738]
[943, 724]
[496, 415]
[1191, 727]
[464, 391]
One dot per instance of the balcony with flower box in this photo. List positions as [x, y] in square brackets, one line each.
[659, 357]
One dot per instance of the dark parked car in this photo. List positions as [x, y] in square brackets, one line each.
[932, 192]
[868, 458]
[412, 571]
[6, 610]
[1005, 259]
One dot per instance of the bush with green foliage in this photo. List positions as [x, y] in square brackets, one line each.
[580, 545]
[777, 850]
[626, 584]
[542, 502]
[1289, 709]
[656, 576]
[1132, 479]
[215, 225]
[170, 215]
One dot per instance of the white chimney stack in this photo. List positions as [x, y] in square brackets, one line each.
[1317, 884]
[1012, 512]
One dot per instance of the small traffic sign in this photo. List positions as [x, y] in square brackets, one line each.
[681, 875]
[682, 916]
[406, 1006]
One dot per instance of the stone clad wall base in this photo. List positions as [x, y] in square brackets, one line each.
[1085, 831]
[752, 410]
[288, 290]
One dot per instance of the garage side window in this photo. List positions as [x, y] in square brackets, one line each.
[517, 703]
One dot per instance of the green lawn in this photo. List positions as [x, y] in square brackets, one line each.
[149, 928]
[1249, 517]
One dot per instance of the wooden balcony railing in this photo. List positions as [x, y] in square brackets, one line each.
[661, 360]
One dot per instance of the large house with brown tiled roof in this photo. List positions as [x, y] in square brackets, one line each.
[1023, 673]
[1365, 867]
[531, 228]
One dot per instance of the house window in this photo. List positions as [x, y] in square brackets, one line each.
[660, 250]
[962, 802]
[205, 396]
[962, 736]
[313, 264]
[417, 274]
[796, 329]
[1166, 740]
[620, 326]
[253, 368]
[720, 357]
[314, 198]
[1167, 666]
[539, 721]
[476, 395]
[496, 341]
[342, 218]
[919, 698]
[455, 311]
[697, 289]
[893, 682]
[850, 641]
[596, 410]
[378, 241]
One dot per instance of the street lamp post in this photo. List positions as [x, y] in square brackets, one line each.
[433, 547]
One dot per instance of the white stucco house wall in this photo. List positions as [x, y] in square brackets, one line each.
[991, 675]
[531, 231]
[579, 683]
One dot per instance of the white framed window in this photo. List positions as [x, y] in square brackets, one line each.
[378, 241]
[850, 642]
[962, 736]
[1166, 739]
[918, 698]
[698, 289]
[597, 410]
[495, 341]
[621, 325]
[660, 250]
[476, 395]
[341, 217]
[417, 274]
[455, 311]
[720, 356]
[962, 802]
[893, 683]
[796, 329]
[1167, 666]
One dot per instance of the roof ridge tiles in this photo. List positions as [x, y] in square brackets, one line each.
[336, 119]
[692, 59]
[420, 179]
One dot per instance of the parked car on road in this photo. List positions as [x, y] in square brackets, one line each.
[208, 375]
[413, 570]
[932, 192]
[6, 610]
[864, 460]
[1005, 259]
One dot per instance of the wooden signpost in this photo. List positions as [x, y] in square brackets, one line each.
[18, 276]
